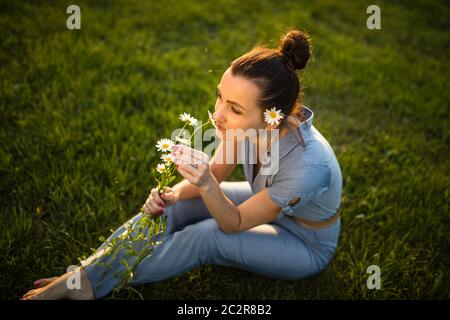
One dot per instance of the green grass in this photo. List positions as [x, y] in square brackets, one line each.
[80, 112]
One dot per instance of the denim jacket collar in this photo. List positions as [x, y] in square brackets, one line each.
[291, 140]
[286, 144]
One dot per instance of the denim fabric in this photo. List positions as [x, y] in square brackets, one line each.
[308, 170]
[282, 249]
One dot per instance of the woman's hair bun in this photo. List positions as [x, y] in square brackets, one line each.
[294, 45]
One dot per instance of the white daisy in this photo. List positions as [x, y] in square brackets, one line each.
[183, 141]
[167, 158]
[211, 118]
[161, 168]
[185, 116]
[165, 145]
[273, 116]
[188, 118]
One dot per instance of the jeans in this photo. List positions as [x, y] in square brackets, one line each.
[281, 249]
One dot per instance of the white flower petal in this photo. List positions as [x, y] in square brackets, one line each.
[186, 117]
[183, 141]
[165, 145]
[161, 168]
[211, 118]
[167, 158]
[193, 122]
[273, 116]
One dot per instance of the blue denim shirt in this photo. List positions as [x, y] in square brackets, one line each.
[308, 170]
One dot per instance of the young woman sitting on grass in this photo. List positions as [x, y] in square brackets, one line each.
[283, 225]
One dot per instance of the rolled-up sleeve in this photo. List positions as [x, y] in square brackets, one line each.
[305, 183]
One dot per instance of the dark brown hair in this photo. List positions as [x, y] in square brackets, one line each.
[274, 72]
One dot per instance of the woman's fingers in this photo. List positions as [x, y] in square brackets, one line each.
[187, 158]
[154, 203]
[168, 195]
[150, 207]
[155, 195]
[190, 167]
[187, 172]
[191, 154]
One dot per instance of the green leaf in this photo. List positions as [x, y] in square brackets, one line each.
[125, 263]
[170, 179]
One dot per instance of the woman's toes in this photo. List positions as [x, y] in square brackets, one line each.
[38, 296]
[29, 294]
[43, 282]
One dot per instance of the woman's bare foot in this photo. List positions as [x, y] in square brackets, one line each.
[59, 289]
[43, 282]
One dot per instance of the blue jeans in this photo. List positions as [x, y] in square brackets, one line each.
[281, 249]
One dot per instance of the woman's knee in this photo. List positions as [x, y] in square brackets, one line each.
[207, 227]
[236, 191]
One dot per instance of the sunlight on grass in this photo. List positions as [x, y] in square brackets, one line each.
[81, 111]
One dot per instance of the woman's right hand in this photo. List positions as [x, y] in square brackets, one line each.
[156, 203]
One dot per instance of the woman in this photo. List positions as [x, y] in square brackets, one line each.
[283, 225]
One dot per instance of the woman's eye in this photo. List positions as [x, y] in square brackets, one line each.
[218, 93]
[235, 110]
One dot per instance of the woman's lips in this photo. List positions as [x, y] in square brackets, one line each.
[219, 127]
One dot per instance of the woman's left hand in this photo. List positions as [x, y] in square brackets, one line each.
[193, 165]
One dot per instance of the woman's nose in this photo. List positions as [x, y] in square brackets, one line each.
[218, 116]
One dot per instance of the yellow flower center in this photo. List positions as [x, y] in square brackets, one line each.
[273, 114]
[165, 146]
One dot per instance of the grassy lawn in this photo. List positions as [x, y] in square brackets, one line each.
[81, 111]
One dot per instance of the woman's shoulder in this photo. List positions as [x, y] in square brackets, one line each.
[314, 151]
[318, 149]
[312, 147]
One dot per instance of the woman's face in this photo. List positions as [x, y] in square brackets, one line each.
[236, 105]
